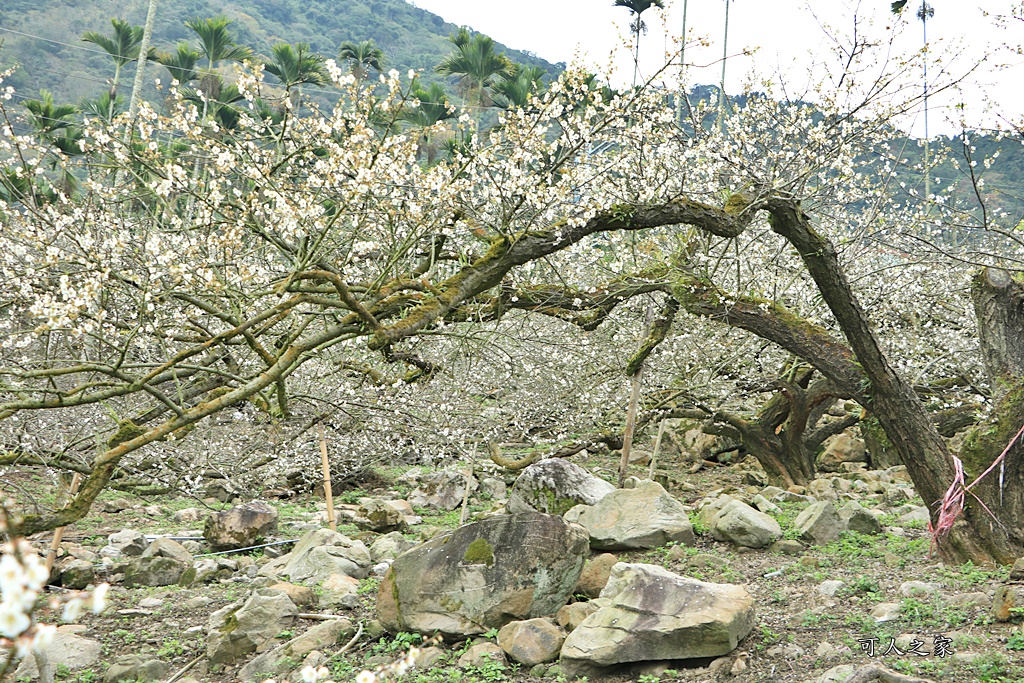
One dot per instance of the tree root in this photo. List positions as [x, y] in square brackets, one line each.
[865, 674]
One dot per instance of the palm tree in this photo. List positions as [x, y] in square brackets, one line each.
[637, 8]
[216, 42]
[475, 62]
[182, 63]
[217, 99]
[123, 47]
[106, 106]
[515, 90]
[433, 108]
[296, 66]
[362, 57]
[46, 117]
[54, 125]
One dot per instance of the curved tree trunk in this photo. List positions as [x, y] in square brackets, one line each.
[892, 399]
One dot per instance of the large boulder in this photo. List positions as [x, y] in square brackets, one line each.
[280, 660]
[741, 524]
[819, 524]
[555, 485]
[842, 448]
[167, 547]
[67, 649]
[241, 526]
[483, 575]
[242, 628]
[649, 613]
[154, 571]
[321, 553]
[378, 516]
[129, 542]
[642, 517]
[442, 490]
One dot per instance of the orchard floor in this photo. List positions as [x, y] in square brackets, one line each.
[799, 634]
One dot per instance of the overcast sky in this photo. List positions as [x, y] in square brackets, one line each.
[788, 37]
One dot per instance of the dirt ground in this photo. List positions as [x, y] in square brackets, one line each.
[800, 633]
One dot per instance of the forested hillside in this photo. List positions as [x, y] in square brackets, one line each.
[411, 38]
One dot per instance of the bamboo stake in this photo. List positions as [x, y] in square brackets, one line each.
[58, 533]
[327, 479]
[634, 399]
[654, 455]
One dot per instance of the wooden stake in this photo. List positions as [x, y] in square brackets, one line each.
[634, 399]
[58, 533]
[327, 479]
[654, 455]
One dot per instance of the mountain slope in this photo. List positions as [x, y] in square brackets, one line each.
[411, 38]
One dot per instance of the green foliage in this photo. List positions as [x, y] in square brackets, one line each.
[1015, 641]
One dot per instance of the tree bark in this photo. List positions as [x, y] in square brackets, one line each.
[890, 397]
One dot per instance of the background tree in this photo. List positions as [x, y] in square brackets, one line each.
[362, 57]
[123, 47]
[637, 26]
[476, 64]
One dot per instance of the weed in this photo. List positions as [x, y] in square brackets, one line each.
[1016, 641]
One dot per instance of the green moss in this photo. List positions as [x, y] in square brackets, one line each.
[479, 551]
[126, 431]
[987, 441]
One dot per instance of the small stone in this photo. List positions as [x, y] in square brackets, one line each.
[971, 600]
[151, 603]
[886, 611]
[829, 588]
[595, 575]
[910, 589]
[892, 560]
[481, 655]
[787, 547]
[1008, 597]
[836, 674]
[1017, 570]
[129, 542]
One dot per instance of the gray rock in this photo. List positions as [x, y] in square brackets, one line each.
[837, 674]
[787, 547]
[279, 660]
[572, 615]
[643, 517]
[241, 526]
[389, 546]
[841, 449]
[66, 649]
[886, 611]
[859, 519]
[129, 542]
[1017, 570]
[323, 552]
[741, 524]
[376, 515]
[442, 490]
[649, 613]
[819, 524]
[707, 512]
[595, 575]
[765, 505]
[494, 488]
[971, 600]
[917, 517]
[242, 628]
[531, 642]
[829, 588]
[1008, 597]
[483, 575]
[555, 485]
[77, 574]
[480, 655]
[188, 515]
[154, 571]
[912, 589]
[166, 547]
[135, 668]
